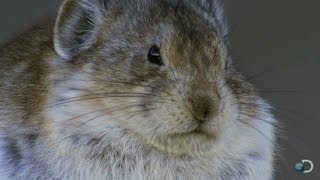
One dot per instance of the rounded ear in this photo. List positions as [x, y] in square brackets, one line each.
[76, 26]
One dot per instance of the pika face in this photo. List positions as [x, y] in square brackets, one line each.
[163, 73]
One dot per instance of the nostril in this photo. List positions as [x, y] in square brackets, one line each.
[203, 108]
[203, 113]
[206, 113]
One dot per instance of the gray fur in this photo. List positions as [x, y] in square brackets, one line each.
[80, 100]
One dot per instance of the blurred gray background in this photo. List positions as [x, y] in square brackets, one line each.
[275, 41]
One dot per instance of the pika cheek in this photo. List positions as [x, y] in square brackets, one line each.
[226, 118]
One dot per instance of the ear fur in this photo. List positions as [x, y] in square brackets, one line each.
[76, 26]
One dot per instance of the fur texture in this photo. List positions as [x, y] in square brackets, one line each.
[80, 100]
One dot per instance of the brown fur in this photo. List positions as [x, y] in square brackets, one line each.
[80, 99]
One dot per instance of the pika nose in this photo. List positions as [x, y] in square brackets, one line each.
[203, 107]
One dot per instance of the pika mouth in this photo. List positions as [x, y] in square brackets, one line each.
[198, 130]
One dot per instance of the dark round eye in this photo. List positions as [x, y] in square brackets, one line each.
[154, 56]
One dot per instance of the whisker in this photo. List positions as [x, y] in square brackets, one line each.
[241, 94]
[90, 98]
[126, 83]
[253, 94]
[273, 108]
[280, 91]
[140, 112]
[108, 112]
[106, 108]
[109, 95]
[274, 124]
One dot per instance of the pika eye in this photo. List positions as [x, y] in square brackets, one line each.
[154, 56]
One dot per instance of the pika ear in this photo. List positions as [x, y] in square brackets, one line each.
[76, 26]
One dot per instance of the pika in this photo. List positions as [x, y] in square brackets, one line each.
[131, 90]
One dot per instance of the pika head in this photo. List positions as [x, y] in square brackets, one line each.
[158, 70]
